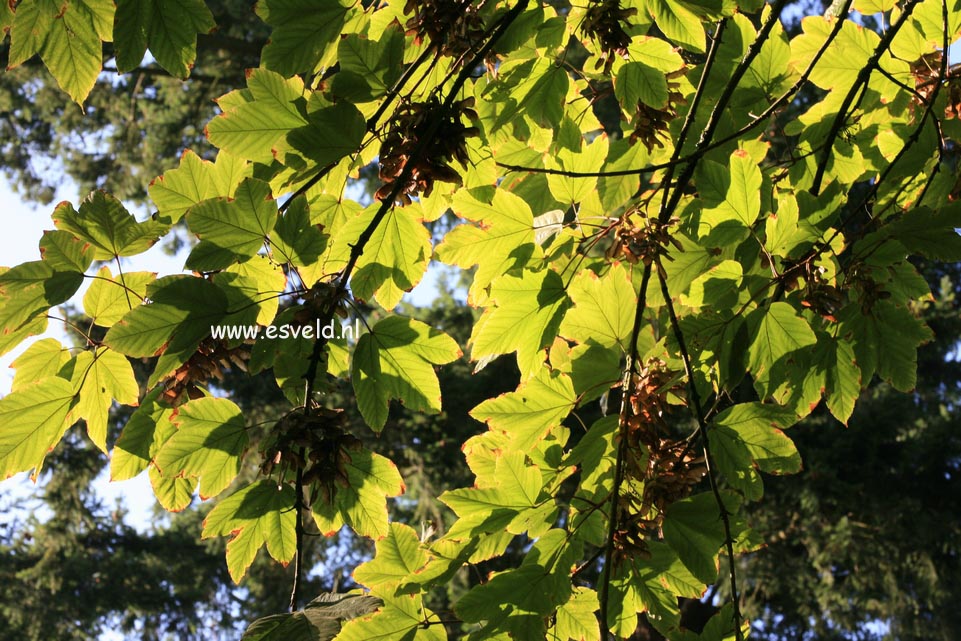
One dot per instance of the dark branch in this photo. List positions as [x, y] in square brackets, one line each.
[859, 83]
[626, 388]
[702, 430]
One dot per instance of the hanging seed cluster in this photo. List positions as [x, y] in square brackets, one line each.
[605, 22]
[651, 124]
[453, 27]
[212, 357]
[658, 470]
[644, 243]
[926, 74]
[318, 301]
[424, 138]
[822, 297]
[316, 445]
[869, 291]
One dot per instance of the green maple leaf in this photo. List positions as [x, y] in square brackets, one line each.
[67, 35]
[603, 310]
[397, 557]
[231, 230]
[886, 341]
[520, 600]
[147, 429]
[395, 360]
[539, 404]
[513, 498]
[305, 33]
[400, 618]
[34, 420]
[101, 377]
[636, 588]
[257, 515]
[362, 504]
[173, 493]
[576, 619]
[253, 288]
[636, 81]
[103, 222]
[749, 436]
[30, 289]
[295, 238]
[42, 359]
[731, 197]
[501, 239]
[252, 125]
[168, 27]
[395, 259]
[108, 299]
[525, 313]
[64, 252]
[368, 67]
[679, 24]
[181, 304]
[209, 443]
[778, 332]
[320, 620]
[693, 527]
[195, 181]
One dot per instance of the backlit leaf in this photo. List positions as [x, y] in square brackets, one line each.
[101, 377]
[304, 33]
[33, 421]
[257, 515]
[209, 443]
[168, 28]
[103, 222]
[539, 404]
[395, 360]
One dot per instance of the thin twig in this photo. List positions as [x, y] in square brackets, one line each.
[612, 521]
[860, 82]
[299, 534]
[705, 440]
[721, 106]
[692, 112]
[785, 98]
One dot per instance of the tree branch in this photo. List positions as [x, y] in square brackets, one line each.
[299, 533]
[719, 108]
[861, 80]
[692, 112]
[613, 519]
[702, 430]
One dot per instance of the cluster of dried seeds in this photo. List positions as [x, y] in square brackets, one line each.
[211, 358]
[422, 140]
[605, 22]
[316, 445]
[651, 124]
[454, 27]
[644, 243]
[658, 470]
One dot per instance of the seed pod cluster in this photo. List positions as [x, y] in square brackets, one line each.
[869, 290]
[819, 295]
[658, 470]
[926, 74]
[317, 302]
[430, 135]
[645, 242]
[454, 27]
[211, 358]
[605, 23]
[315, 444]
[650, 124]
